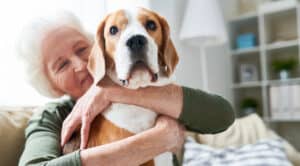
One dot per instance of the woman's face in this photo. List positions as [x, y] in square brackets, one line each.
[65, 54]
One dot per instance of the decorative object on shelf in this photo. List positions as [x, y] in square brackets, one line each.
[274, 6]
[246, 40]
[246, 6]
[284, 102]
[248, 73]
[284, 67]
[248, 106]
[283, 27]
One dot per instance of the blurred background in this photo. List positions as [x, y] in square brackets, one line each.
[244, 50]
[190, 72]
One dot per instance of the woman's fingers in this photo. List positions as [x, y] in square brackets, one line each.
[69, 126]
[174, 132]
[85, 110]
[180, 139]
[71, 123]
[85, 130]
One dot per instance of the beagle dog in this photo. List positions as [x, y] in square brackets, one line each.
[133, 48]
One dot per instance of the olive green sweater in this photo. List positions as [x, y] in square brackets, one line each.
[202, 112]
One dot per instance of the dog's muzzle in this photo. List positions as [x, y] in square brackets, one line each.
[138, 48]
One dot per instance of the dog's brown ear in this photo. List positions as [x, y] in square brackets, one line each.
[96, 63]
[168, 53]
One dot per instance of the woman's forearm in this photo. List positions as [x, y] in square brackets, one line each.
[134, 150]
[197, 110]
[166, 100]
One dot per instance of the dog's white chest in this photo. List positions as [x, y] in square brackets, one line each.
[130, 117]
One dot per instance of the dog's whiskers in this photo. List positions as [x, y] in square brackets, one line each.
[155, 77]
[124, 82]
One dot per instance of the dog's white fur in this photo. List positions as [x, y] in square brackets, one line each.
[130, 117]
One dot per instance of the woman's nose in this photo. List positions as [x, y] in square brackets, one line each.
[79, 64]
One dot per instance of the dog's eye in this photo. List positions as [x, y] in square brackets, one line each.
[151, 25]
[113, 30]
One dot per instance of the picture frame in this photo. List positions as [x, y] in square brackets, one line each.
[248, 73]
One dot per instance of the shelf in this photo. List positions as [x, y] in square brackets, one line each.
[244, 17]
[247, 84]
[282, 44]
[286, 8]
[277, 38]
[281, 120]
[284, 82]
[245, 51]
[269, 82]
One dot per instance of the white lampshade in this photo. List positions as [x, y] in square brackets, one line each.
[203, 21]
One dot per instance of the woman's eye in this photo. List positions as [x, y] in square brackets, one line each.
[150, 25]
[113, 30]
[63, 65]
[81, 50]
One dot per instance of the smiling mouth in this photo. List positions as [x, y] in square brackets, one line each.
[139, 65]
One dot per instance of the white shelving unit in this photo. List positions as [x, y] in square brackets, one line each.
[268, 48]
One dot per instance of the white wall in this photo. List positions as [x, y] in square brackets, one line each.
[219, 70]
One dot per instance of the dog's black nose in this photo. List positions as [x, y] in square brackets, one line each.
[136, 43]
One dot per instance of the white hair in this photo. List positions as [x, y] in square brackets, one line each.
[29, 48]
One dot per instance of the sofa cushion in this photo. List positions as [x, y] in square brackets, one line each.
[13, 122]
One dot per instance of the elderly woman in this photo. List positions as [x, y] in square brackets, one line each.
[55, 51]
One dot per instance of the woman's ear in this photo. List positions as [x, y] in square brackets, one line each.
[168, 53]
[96, 63]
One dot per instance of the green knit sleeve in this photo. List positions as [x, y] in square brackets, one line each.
[42, 134]
[205, 113]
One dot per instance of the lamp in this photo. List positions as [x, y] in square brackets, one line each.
[203, 25]
[203, 21]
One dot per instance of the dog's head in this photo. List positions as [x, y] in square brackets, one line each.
[136, 46]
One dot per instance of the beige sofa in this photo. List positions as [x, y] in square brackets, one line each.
[244, 131]
[12, 124]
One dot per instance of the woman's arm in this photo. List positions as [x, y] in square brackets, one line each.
[167, 135]
[43, 137]
[197, 110]
[43, 142]
[166, 100]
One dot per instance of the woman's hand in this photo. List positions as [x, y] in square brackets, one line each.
[91, 104]
[172, 131]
